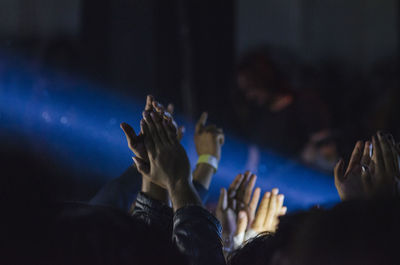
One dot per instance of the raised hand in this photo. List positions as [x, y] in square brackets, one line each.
[240, 195]
[136, 141]
[266, 219]
[368, 176]
[168, 161]
[269, 210]
[227, 217]
[236, 206]
[208, 138]
[166, 113]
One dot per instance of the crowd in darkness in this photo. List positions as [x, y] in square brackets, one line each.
[154, 212]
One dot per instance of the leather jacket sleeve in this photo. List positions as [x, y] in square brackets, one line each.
[197, 234]
[120, 192]
[153, 213]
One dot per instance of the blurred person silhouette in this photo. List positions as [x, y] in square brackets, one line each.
[272, 114]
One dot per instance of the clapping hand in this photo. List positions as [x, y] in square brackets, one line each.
[235, 203]
[266, 218]
[237, 213]
[208, 138]
[369, 176]
[168, 161]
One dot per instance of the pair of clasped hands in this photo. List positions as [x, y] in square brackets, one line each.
[161, 159]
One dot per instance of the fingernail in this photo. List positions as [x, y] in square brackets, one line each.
[281, 197]
[275, 191]
[268, 194]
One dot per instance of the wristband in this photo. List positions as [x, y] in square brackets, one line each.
[238, 240]
[250, 233]
[208, 159]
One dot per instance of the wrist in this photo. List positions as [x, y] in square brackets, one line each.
[208, 159]
[203, 174]
[182, 193]
[178, 185]
[154, 191]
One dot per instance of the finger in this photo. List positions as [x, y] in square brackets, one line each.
[148, 140]
[387, 152]
[141, 165]
[152, 130]
[366, 158]
[241, 223]
[261, 213]
[377, 155]
[161, 110]
[395, 154]
[271, 214]
[149, 103]
[232, 190]
[157, 120]
[391, 139]
[278, 212]
[170, 108]
[283, 211]
[249, 189]
[279, 203]
[170, 131]
[384, 155]
[129, 134]
[355, 156]
[201, 122]
[339, 171]
[396, 161]
[243, 185]
[223, 200]
[253, 204]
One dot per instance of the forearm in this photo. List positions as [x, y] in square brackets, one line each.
[183, 194]
[154, 191]
[203, 174]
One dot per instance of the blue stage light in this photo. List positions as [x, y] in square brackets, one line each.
[76, 123]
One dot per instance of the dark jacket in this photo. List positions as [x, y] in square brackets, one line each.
[195, 231]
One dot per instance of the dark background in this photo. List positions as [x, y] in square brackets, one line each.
[186, 52]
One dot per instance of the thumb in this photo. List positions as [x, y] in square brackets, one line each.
[141, 165]
[149, 103]
[223, 200]
[202, 121]
[129, 133]
[241, 223]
